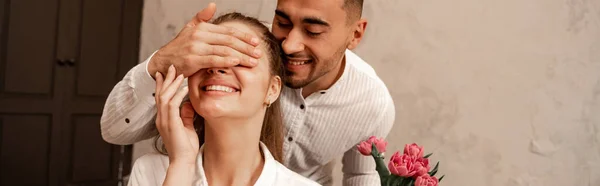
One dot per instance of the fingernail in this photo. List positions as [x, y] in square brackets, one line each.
[255, 41]
[155, 74]
[180, 76]
[257, 52]
[171, 67]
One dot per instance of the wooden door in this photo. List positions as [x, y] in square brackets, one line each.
[59, 59]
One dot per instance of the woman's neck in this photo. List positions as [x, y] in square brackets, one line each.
[231, 154]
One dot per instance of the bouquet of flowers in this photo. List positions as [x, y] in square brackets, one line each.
[408, 169]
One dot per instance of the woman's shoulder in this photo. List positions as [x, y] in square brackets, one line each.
[150, 169]
[289, 177]
[152, 160]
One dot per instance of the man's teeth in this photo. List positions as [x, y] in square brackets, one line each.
[297, 62]
[219, 88]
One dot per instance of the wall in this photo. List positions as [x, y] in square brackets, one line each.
[502, 92]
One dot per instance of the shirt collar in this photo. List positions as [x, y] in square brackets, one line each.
[267, 176]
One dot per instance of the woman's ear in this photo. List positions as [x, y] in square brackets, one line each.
[274, 90]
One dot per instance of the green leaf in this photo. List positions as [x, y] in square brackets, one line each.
[432, 173]
[427, 156]
[385, 180]
[435, 169]
[439, 180]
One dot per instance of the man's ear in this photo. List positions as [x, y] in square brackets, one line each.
[274, 90]
[358, 32]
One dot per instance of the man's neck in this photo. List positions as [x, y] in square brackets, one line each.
[326, 81]
[231, 152]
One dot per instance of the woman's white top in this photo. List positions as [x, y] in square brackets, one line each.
[151, 169]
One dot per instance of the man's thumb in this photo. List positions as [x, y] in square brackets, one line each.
[207, 13]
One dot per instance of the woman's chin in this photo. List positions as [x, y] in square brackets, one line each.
[211, 111]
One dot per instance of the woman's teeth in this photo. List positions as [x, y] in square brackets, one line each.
[297, 62]
[219, 88]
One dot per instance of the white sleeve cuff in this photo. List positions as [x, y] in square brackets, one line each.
[143, 84]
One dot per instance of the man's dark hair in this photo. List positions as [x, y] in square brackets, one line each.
[353, 9]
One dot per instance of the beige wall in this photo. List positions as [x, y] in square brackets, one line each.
[504, 92]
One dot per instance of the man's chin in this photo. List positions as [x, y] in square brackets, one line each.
[296, 83]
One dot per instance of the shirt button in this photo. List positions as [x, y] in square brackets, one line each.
[126, 120]
[153, 94]
[302, 106]
[290, 139]
[323, 92]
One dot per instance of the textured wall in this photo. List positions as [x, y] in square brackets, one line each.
[504, 92]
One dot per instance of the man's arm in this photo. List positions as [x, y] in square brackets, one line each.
[359, 170]
[129, 111]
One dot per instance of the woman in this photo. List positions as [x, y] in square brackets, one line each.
[239, 123]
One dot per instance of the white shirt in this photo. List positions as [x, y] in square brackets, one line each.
[319, 128]
[151, 169]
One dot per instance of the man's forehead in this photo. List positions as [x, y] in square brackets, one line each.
[324, 9]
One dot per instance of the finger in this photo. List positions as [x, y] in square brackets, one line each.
[165, 101]
[207, 13]
[169, 91]
[180, 95]
[232, 42]
[176, 101]
[169, 78]
[231, 31]
[228, 52]
[214, 61]
[203, 15]
[187, 115]
[159, 83]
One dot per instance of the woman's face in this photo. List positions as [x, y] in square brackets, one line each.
[236, 92]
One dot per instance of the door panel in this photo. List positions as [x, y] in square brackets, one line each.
[30, 46]
[91, 160]
[100, 44]
[91, 154]
[50, 111]
[25, 146]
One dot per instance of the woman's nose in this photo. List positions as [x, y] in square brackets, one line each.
[218, 70]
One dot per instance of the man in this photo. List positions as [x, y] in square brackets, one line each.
[332, 99]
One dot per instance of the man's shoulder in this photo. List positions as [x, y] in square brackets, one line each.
[362, 74]
[362, 77]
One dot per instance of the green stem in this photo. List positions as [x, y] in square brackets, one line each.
[380, 164]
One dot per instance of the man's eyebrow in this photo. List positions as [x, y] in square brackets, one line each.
[307, 20]
[282, 14]
[315, 21]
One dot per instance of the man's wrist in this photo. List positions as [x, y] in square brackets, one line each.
[153, 65]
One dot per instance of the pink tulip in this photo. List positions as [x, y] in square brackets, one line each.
[413, 150]
[365, 147]
[408, 166]
[421, 166]
[426, 180]
[402, 165]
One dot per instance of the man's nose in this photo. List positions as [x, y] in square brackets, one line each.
[293, 43]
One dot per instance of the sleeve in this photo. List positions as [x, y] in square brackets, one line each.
[359, 170]
[129, 111]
